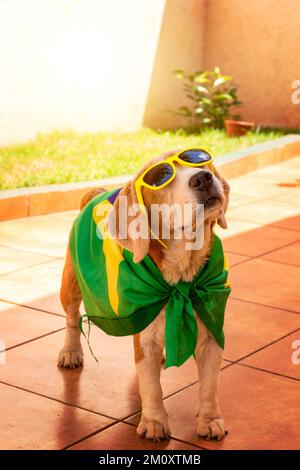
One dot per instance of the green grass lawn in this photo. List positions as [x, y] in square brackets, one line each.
[61, 157]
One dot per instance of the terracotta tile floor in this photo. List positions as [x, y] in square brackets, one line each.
[97, 407]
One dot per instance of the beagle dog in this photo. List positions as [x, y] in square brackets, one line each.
[200, 184]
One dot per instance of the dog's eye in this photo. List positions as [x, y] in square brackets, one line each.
[159, 175]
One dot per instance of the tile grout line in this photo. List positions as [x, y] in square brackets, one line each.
[33, 339]
[66, 218]
[10, 302]
[281, 247]
[264, 347]
[128, 424]
[277, 374]
[239, 262]
[264, 253]
[171, 437]
[32, 266]
[264, 305]
[250, 258]
[84, 438]
[263, 199]
[27, 267]
[29, 252]
[270, 224]
[285, 228]
[282, 262]
[57, 400]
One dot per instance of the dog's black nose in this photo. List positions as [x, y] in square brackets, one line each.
[201, 180]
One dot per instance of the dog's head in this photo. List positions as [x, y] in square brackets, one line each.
[190, 186]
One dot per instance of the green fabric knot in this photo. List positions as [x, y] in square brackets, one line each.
[181, 327]
[183, 288]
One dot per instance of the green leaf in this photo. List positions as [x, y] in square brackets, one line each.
[192, 97]
[201, 88]
[179, 74]
[206, 101]
[185, 111]
[192, 77]
[223, 96]
[220, 80]
[201, 79]
[188, 88]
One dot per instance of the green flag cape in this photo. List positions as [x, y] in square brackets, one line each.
[122, 297]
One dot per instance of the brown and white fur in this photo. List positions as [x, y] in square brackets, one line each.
[176, 263]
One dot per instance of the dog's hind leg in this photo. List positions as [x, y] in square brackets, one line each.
[71, 355]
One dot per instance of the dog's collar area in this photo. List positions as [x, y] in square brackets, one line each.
[112, 198]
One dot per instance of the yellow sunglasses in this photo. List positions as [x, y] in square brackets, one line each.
[163, 173]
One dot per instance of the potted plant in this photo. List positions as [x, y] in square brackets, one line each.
[236, 128]
[212, 97]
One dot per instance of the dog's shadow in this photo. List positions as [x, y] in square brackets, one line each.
[69, 418]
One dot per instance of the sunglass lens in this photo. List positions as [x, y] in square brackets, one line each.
[195, 156]
[159, 175]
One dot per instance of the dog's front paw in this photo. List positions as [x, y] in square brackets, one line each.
[211, 428]
[71, 359]
[154, 429]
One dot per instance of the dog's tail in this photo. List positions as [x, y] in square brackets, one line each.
[90, 195]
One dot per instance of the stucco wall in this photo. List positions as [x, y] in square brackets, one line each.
[258, 43]
[180, 46]
[81, 64]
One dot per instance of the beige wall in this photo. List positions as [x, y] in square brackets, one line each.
[258, 43]
[81, 64]
[95, 65]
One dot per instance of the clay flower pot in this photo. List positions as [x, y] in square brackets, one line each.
[237, 128]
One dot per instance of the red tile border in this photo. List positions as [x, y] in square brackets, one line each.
[14, 207]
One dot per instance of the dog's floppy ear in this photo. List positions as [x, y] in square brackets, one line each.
[129, 225]
[226, 189]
